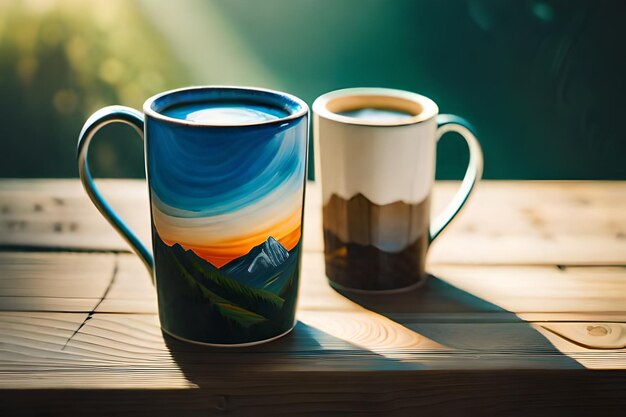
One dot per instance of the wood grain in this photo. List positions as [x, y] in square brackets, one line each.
[60, 275]
[477, 310]
[55, 213]
[129, 351]
[54, 281]
[369, 393]
[508, 324]
[478, 289]
[32, 281]
[521, 222]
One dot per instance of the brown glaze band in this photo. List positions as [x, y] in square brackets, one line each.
[375, 247]
[355, 266]
[390, 227]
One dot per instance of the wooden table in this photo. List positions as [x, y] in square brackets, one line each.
[525, 312]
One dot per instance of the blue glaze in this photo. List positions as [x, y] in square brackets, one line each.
[226, 186]
[214, 173]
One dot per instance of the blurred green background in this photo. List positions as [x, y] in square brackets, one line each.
[543, 81]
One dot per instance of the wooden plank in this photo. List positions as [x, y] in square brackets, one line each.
[129, 351]
[55, 213]
[395, 328]
[54, 281]
[132, 290]
[122, 364]
[548, 290]
[507, 222]
[439, 393]
[63, 275]
[77, 281]
[480, 289]
[39, 350]
[368, 356]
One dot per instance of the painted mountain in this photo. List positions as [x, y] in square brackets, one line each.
[263, 267]
[248, 299]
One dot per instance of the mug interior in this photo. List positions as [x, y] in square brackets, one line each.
[286, 106]
[360, 101]
[333, 104]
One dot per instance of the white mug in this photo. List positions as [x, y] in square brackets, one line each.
[376, 151]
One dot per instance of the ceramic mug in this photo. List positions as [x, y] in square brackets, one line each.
[376, 153]
[226, 208]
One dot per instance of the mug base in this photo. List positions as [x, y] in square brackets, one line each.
[228, 345]
[341, 288]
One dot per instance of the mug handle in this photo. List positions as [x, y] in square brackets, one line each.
[451, 123]
[99, 119]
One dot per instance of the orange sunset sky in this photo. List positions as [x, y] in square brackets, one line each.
[219, 252]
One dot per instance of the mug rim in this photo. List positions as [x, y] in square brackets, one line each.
[429, 108]
[302, 108]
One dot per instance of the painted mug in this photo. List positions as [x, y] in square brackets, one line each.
[226, 202]
[376, 151]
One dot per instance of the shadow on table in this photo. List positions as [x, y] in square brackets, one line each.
[503, 339]
[304, 349]
[470, 324]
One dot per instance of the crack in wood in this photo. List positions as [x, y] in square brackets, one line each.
[93, 310]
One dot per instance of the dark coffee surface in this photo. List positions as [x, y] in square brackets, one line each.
[375, 247]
